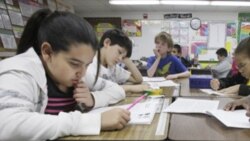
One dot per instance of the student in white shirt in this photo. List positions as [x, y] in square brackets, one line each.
[59, 46]
[116, 48]
[222, 69]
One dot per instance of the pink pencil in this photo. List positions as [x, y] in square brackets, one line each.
[137, 101]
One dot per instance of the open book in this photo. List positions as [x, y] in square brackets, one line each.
[236, 119]
[184, 105]
[141, 113]
[210, 92]
[153, 79]
[166, 83]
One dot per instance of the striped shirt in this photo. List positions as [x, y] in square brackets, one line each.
[59, 101]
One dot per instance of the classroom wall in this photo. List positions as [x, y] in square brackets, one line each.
[144, 45]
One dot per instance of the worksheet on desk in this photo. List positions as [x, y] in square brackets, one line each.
[236, 119]
[210, 92]
[141, 113]
[153, 79]
[166, 83]
[186, 105]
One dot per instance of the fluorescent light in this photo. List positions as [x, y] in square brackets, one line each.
[180, 2]
[134, 2]
[184, 2]
[230, 3]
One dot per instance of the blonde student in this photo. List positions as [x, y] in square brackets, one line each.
[164, 63]
[116, 48]
[54, 52]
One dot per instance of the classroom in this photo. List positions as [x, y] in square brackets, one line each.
[125, 70]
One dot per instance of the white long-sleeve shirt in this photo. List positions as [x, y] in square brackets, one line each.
[115, 74]
[23, 99]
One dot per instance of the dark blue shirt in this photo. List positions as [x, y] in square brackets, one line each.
[168, 65]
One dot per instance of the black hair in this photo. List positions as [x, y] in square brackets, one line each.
[178, 47]
[118, 37]
[59, 29]
[243, 47]
[222, 52]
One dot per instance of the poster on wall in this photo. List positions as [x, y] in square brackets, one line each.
[217, 35]
[132, 27]
[103, 24]
[244, 30]
[198, 48]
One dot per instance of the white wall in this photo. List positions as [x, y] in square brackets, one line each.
[144, 45]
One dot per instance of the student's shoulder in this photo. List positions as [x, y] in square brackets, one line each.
[151, 58]
[172, 58]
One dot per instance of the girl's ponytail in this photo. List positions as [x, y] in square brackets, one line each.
[29, 36]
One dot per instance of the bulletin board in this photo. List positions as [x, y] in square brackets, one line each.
[192, 41]
[102, 24]
[14, 15]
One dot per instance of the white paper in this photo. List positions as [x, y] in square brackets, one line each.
[166, 83]
[153, 79]
[141, 113]
[183, 105]
[237, 118]
[210, 92]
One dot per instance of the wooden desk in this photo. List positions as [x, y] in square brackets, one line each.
[204, 127]
[131, 132]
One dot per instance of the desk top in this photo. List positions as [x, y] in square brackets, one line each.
[204, 127]
[131, 132]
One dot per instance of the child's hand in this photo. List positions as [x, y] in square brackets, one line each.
[215, 84]
[244, 102]
[171, 77]
[156, 52]
[248, 112]
[82, 94]
[233, 90]
[115, 119]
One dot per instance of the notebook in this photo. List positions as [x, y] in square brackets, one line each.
[211, 92]
[153, 79]
[236, 119]
[141, 113]
[184, 105]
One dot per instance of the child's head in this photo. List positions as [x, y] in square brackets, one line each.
[117, 46]
[164, 43]
[242, 57]
[176, 50]
[65, 43]
[221, 54]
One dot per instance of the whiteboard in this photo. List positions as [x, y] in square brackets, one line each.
[144, 45]
[210, 55]
[217, 35]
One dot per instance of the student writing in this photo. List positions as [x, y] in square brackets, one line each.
[239, 84]
[60, 46]
[164, 63]
[242, 58]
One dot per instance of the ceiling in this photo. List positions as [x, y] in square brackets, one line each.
[84, 6]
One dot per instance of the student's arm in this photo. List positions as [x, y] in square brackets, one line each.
[178, 75]
[231, 90]
[244, 90]
[243, 102]
[230, 81]
[104, 91]
[153, 67]
[178, 70]
[21, 103]
[135, 76]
